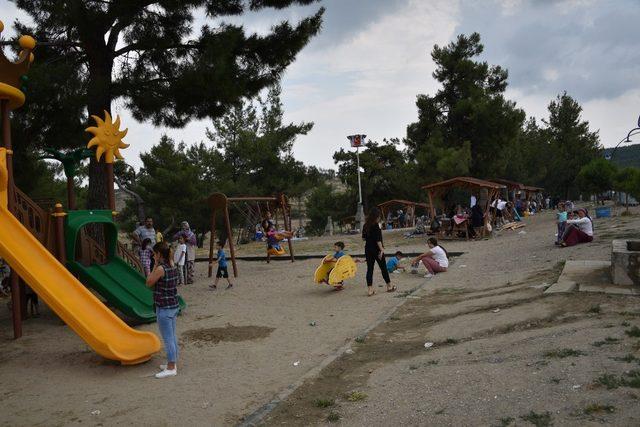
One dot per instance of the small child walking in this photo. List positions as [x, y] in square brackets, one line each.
[222, 268]
[145, 253]
[179, 259]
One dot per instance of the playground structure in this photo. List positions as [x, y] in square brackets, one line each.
[334, 273]
[254, 209]
[38, 244]
[408, 206]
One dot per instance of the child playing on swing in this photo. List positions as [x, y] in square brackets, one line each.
[274, 238]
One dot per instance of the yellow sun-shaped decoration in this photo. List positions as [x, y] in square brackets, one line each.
[107, 137]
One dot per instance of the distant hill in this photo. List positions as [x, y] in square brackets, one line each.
[626, 155]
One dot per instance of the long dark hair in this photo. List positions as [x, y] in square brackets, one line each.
[372, 218]
[434, 242]
[164, 250]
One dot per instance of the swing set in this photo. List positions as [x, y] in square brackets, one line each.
[254, 210]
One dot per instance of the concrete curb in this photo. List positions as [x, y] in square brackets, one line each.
[258, 415]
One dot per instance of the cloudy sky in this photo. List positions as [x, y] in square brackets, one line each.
[363, 72]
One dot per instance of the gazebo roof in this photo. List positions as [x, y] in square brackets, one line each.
[532, 188]
[463, 181]
[402, 202]
[510, 184]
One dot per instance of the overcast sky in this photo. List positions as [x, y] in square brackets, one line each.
[363, 72]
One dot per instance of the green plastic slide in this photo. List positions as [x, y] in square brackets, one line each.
[121, 285]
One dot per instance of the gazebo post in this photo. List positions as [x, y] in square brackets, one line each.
[212, 239]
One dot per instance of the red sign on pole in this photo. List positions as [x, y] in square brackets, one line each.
[356, 140]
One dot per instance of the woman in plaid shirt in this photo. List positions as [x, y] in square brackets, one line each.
[164, 279]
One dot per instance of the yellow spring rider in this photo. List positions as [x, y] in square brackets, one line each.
[336, 272]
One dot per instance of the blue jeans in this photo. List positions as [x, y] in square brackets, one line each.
[167, 325]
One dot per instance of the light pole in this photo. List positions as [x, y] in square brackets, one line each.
[631, 133]
[357, 141]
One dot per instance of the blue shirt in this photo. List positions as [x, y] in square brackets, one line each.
[338, 255]
[222, 259]
[392, 264]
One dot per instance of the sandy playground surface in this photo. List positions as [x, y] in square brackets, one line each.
[503, 353]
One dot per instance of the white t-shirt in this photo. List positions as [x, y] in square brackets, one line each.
[473, 201]
[501, 204]
[584, 224]
[180, 249]
[440, 256]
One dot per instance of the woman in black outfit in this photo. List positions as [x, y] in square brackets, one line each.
[374, 250]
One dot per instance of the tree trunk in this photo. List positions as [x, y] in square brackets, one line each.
[99, 100]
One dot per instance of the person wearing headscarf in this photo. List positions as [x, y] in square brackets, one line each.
[578, 230]
[191, 242]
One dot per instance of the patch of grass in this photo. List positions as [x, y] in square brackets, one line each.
[564, 352]
[596, 408]
[433, 362]
[629, 313]
[555, 380]
[505, 421]
[633, 332]
[413, 367]
[451, 341]
[356, 396]
[594, 309]
[439, 411]
[324, 403]
[610, 381]
[394, 318]
[625, 324]
[607, 341]
[629, 358]
[333, 417]
[632, 379]
[538, 420]
[360, 339]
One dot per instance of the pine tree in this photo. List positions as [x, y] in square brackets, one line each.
[147, 54]
[468, 126]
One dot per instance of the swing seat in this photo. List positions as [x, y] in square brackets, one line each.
[276, 252]
[336, 272]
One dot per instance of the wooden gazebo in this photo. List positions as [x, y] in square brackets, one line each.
[530, 191]
[409, 208]
[513, 187]
[475, 185]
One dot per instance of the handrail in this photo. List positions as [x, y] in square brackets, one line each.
[96, 253]
[33, 218]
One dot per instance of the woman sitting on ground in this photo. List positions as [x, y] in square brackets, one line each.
[578, 230]
[435, 259]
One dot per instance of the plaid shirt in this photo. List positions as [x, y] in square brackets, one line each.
[165, 292]
[145, 260]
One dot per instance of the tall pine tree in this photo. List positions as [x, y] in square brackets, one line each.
[468, 126]
[147, 54]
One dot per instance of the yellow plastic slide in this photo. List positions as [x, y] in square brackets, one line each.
[98, 326]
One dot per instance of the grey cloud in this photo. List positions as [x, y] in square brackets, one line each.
[592, 47]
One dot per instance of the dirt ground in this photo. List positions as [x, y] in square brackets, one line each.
[503, 353]
[237, 350]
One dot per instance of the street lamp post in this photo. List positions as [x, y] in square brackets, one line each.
[631, 133]
[357, 141]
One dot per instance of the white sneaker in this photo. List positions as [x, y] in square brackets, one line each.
[428, 276]
[167, 373]
[397, 271]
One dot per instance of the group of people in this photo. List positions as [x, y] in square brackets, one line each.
[574, 226]
[400, 220]
[145, 237]
[435, 259]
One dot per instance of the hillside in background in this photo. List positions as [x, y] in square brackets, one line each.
[625, 155]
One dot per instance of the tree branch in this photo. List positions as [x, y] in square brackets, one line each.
[140, 46]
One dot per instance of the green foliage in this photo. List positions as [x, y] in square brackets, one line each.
[387, 173]
[356, 396]
[468, 126]
[597, 176]
[324, 201]
[324, 403]
[627, 180]
[633, 332]
[596, 408]
[152, 57]
[571, 142]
